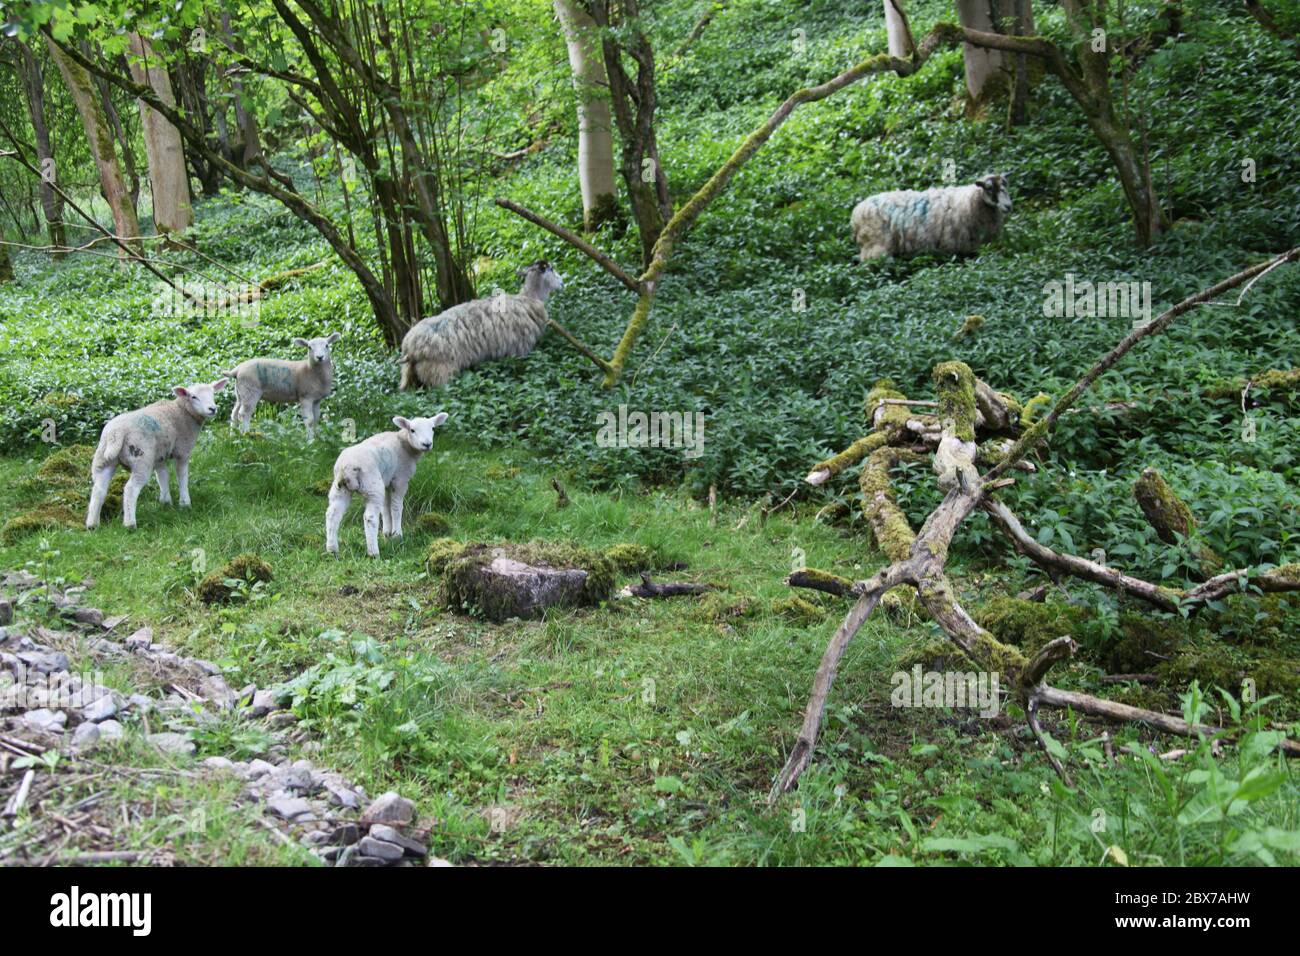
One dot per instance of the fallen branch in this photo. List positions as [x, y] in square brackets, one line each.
[582, 245]
[649, 589]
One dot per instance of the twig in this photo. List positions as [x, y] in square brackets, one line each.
[15, 804]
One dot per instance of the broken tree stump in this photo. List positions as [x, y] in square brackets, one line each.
[512, 580]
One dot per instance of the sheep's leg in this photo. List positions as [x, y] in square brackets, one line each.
[385, 513]
[874, 251]
[183, 480]
[236, 412]
[309, 416]
[131, 494]
[374, 511]
[340, 499]
[247, 405]
[164, 491]
[396, 501]
[98, 492]
[406, 382]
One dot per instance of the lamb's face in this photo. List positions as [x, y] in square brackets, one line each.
[418, 432]
[993, 190]
[318, 350]
[201, 398]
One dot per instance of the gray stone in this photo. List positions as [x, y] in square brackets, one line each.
[175, 744]
[281, 719]
[388, 852]
[290, 808]
[50, 721]
[263, 703]
[113, 622]
[85, 736]
[315, 838]
[345, 834]
[207, 667]
[140, 640]
[439, 861]
[341, 796]
[296, 779]
[259, 768]
[386, 834]
[92, 616]
[102, 708]
[110, 731]
[218, 763]
[391, 808]
[218, 691]
[44, 662]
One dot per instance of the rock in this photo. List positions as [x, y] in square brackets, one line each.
[110, 731]
[259, 768]
[218, 763]
[296, 779]
[109, 648]
[315, 838]
[207, 667]
[281, 719]
[49, 721]
[102, 708]
[290, 808]
[351, 857]
[113, 622]
[216, 690]
[174, 744]
[439, 861]
[263, 703]
[390, 808]
[345, 834]
[44, 662]
[388, 852]
[91, 616]
[85, 736]
[522, 581]
[341, 796]
[386, 834]
[140, 640]
[141, 703]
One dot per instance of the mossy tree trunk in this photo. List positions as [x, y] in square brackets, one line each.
[595, 126]
[51, 202]
[6, 267]
[93, 120]
[168, 179]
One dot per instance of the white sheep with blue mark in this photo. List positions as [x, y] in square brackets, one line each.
[436, 349]
[379, 469]
[952, 219]
[308, 382]
[143, 441]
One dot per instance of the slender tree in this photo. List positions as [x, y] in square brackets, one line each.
[168, 179]
[595, 139]
[51, 201]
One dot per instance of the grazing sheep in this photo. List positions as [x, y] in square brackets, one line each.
[306, 382]
[144, 441]
[379, 468]
[437, 348]
[954, 219]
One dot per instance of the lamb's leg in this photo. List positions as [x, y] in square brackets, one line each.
[340, 499]
[164, 491]
[183, 480]
[247, 405]
[385, 524]
[236, 412]
[131, 494]
[406, 381]
[100, 480]
[396, 501]
[309, 415]
[374, 511]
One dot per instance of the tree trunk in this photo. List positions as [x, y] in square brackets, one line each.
[168, 177]
[982, 66]
[115, 191]
[6, 269]
[896, 29]
[51, 201]
[245, 121]
[118, 130]
[595, 139]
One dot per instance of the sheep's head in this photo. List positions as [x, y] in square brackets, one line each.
[318, 350]
[418, 432]
[200, 398]
[993, 190]
[540, 280]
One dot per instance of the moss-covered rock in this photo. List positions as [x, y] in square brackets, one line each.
[522, 580]
[1027, 624]
[441, 553]
[969, 327]
[47, 517]
[632, 558]
[433, 522]
[249, 568]
[798, 611]
[723, 608]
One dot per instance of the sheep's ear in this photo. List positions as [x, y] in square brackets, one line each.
[219, 384]
[334, 337]
[402, 423]
[300, 342]
[439, 419]
[181, 391]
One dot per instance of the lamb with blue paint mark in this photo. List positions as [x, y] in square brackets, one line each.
[953, 219]
[143, 441]
[307, 382]
[379, 469]
[438, 348]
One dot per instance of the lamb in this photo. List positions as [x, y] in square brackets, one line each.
[379, 468]
[954, 219]
[144, 441]
[437, 348]
[306, 382]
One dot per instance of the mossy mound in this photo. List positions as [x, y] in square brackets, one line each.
[69, 465]
[48, 517]
[322, 487]
[1027, 624]
[501, 581]
[798, 611]
[62, 481]
[632, 558]
[249, 568]
[433, 522]
[720, 607]
[441, 553]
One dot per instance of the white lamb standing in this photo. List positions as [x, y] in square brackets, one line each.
[144, 441]
[953, 219]
[307, 382]
[500, 326]
[380, 469]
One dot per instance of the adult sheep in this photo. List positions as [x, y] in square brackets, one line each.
[952, 219]
[500, 326]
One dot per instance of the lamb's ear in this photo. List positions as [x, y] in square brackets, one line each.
[219, 384]
[439, 419]
[334, 337]
[180, 391]
[301, 343]
[402, 423]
